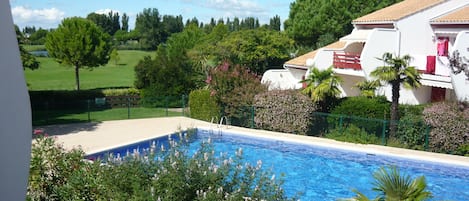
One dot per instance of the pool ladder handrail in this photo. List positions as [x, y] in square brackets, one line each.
[213, 122]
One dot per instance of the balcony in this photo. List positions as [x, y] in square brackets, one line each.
[346, 60]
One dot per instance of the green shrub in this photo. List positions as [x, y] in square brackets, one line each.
[411, 132]
[353, 134]
[202, 105]
[284, 111]
[173, 174]
[450, 126]
[366, 113]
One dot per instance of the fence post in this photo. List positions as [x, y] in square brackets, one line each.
[383, 134]
[128, 107]
[252, 116]
[88, 109]
[47, 112]
[341, 122]
[166, 104]
[427, 133]
[183, 105]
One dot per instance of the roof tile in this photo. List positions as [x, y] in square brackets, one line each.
[457, 16]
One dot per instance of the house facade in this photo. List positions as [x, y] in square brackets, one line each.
[427, 30]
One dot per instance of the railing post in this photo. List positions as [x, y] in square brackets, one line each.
[47, 112]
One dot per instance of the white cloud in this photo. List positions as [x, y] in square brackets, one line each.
[106, 11]
[24, 16]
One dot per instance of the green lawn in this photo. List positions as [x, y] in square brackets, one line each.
[54, 76]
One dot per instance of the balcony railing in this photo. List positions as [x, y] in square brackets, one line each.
[347, 60]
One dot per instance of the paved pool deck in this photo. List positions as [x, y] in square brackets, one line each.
[98, 136]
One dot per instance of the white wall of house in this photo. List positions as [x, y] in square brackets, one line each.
[460, 82]
[280, 79]
[347, 87]
[324, 59]
[15, 115]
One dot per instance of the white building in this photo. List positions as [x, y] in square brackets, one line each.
[427, 30]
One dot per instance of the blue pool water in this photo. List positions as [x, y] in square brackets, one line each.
[320, 173]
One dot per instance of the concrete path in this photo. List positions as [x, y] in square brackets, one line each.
[95, 137]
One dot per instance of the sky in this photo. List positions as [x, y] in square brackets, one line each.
[49, 13]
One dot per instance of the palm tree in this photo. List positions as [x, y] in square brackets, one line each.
[391, 185]
[322, 85]
[396, 72]
[368, 88]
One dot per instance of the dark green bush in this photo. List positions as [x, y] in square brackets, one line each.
[353, 134]
[286, 111]
[366, 113]
[57, 174]
[203, 106]
[450, 126]
[412, 132]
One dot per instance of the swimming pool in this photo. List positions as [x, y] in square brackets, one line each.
[321, 173]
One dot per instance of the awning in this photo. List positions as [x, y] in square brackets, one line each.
[435, 83]
[359, 35]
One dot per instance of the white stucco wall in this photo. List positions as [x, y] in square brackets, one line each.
[15, 115]
[460, 82]
[379, 42]
[280, 79]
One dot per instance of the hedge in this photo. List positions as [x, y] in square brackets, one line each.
[202, 105]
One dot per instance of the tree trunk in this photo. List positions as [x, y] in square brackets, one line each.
[394, 108]
[77, 77]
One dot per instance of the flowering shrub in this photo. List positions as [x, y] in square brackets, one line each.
[284, 111]
[154, 174]
[234, 88]
[450, 126]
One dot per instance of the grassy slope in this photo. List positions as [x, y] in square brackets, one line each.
[54, 76]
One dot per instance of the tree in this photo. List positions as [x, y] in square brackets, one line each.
[393, 186]
[80, 43]
[114, 56]
[368, 88]
[259, 49]
[308, 20]
[125, 22]
[322, 85]
[396, 72]
[148, 25]
[109, 23]
[28, 60]
[275, 23]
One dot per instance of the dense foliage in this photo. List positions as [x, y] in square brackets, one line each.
[167, 174]
[450, 126]
[170, 73]
[323, 87]
[316, 23]
[354, 134]
[284, 111]
[234, 88]
[79, 43]
[203, 105]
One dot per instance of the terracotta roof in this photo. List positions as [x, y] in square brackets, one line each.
[397, 11]
[301, 60]
[457, 16]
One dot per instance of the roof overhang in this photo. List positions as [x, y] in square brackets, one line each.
[360, 35]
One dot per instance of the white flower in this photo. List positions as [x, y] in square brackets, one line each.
[273, 177]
